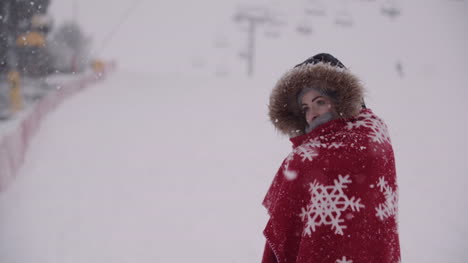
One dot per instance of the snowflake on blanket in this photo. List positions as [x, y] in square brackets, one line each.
[335, 145]
[379, 131]
[307, 151]
[315, 143]
[343, 260]
[327, 203]
[390, 207]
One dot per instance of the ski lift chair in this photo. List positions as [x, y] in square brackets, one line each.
[304, 28]
[314, 11]
[344, 19]
[390, 9]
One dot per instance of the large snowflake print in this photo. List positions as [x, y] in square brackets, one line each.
[327, 204]
[390, 206]
[379, 131]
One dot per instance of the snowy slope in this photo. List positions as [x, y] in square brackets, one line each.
[169, 167]
[159, 165]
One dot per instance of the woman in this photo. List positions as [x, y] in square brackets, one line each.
[334, 198]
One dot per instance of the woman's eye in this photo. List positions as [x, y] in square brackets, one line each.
[321, 102]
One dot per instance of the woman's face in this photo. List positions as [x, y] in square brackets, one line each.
[313, 105]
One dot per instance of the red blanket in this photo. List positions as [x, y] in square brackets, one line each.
[334, 198]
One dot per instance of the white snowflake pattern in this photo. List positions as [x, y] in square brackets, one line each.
[390, 207]
[306, 152]
[327, 203]
[343, 260]
[335, 145]
[315, 143]
[379, 132]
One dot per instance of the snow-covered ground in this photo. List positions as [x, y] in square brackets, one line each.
[163, 162]
[141, 174]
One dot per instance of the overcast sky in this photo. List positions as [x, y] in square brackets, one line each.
[170, 35]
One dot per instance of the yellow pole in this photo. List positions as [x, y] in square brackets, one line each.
[16, 100]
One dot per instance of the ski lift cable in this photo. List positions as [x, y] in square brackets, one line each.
[118, 26]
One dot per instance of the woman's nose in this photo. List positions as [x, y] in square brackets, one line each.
[310, 115]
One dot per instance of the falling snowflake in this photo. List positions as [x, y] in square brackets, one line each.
[379, 132]
[390, 207]
[289, 174]
[343, 260]
[326, 205]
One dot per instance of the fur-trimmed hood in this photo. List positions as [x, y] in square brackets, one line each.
[284, 111]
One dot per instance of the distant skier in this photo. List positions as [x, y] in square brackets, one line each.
[334, 198]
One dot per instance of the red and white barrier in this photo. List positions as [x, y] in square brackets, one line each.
[14, 145]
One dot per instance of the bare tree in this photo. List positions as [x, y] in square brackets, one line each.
[70, 48]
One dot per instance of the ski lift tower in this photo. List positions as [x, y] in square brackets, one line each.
[253, 17]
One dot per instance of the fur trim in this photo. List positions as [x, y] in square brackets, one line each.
[284, 111]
